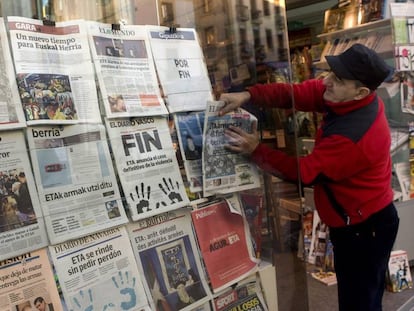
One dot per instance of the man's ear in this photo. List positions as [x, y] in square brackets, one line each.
[362, 92]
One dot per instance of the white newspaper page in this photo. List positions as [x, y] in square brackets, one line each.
[75, 179]
[27, 281]
[11, 112]
[125, 70]
[54, 71]
[147, 165]
[99, 272]
[223, 170]
[190, 137]
[181, 68]
[22, 227]
[166, 251]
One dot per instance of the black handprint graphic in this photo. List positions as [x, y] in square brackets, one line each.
[159, 204]
[173, 196]
[143, 203]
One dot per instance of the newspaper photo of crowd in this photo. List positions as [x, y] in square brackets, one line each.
[16, 209]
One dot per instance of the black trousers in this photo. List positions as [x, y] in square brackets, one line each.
[361, 254]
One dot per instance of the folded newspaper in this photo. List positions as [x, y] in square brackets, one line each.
[22, 226]
[190, 137]
[99, 271]
[75, 179]
[147, 163]
[224, 241]
[223, 170]
[53, 88]
[125, 70]
[27, 280]
[167, 255]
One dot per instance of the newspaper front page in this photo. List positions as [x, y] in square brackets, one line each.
[181, 68]
[22, 227]
[167, 254]
[225, 244]
[125, 69]
[223, 170]
[26, 281]
[54, 71]
[75, 178]
[147, 165]
[99, 272]
[190, 137]
[11, 112]
[246, 296]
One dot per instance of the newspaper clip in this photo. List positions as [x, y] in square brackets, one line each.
[116, 26]
[48, 22]
[172, 28]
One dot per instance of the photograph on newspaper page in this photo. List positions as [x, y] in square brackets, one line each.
[11, 112]
[28, 282]
[99, 272]
[53, 88]
[223, 170]
[76, 181]
[225, 244]
[246, 296]
[125, 70]
[147, 165]
[166, 251]
[22, 227]
[181, 68]
[190, 138]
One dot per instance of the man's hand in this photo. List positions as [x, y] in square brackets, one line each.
[233, 101]
[240, 141]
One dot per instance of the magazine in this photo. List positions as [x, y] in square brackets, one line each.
[402, 34]
[223, 170]
[402, 171]
[398, 277]
[99, 270]
[326, 277]
[223, 237]
[317, 247]
[190, 137]
[75, 179]
[125, 70]
[53, 88]
[22, 227]
[147, 165]
[252, 203]
[181, 68]
[27, 280]
[166, 251]
[246, 295]
[11, 115]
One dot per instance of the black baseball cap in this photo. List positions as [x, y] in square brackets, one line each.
[360, 63]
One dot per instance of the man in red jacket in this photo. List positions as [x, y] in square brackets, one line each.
[350, 166]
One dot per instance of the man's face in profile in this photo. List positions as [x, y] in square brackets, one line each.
[41, 306]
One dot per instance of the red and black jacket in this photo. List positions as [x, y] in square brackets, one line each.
[351, 153]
